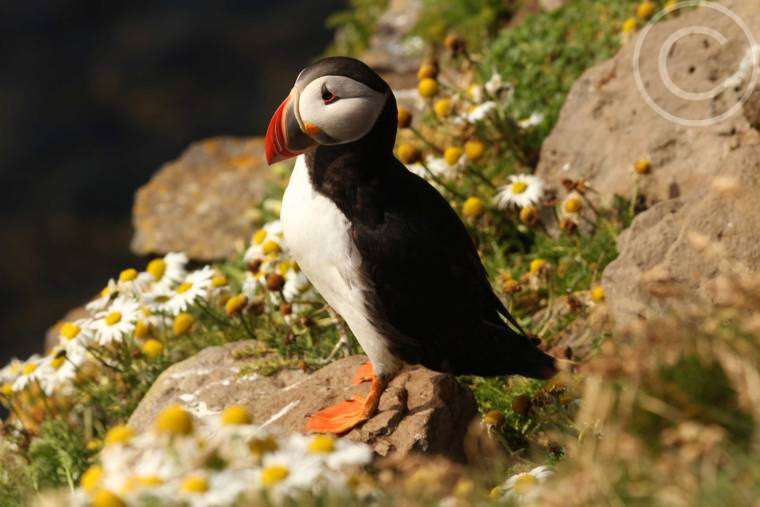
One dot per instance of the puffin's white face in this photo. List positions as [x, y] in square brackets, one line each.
[338, 109]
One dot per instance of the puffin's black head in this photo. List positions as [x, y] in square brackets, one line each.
[337, 100]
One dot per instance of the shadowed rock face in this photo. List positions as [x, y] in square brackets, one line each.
[201, 203]
[420, 411]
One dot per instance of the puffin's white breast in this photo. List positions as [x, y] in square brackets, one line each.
[317, 234]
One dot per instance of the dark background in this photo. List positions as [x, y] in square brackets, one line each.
[94, 97]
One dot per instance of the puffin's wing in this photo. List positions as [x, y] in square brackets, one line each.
[428, 291]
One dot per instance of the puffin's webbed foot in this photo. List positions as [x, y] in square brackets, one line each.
[346, 415]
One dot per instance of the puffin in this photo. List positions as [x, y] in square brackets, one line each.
[382, 246]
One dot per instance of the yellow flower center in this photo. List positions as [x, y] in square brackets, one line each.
[573, 205]
[236, 415]
[174, 420]
[94, 444]
[91, 478]
[235, 304]
[518, 187]
[260, 236]
[473, 207]
[524, 483]
[128, 275]
[112, 318]
[528, 214]
[261, 446]
[184, 287]
[6, 389]
[629, 25]
[195, 484]
[29, 368]
[274, 474]
[597, 293]
[119, 434]
[285, 266]
[474, 149]
[70, 330]
[142, 329]
[182, 323]
[408, 153]
[152, 348]
[428, 87]
[105, 498]
[105, 292]
[271, 247]
[58, 361]
[219, 280]
[452, 154]
[322, 444]
[443, 107]
[536, 265]
[156, 268]
[427, 70]
[642, 166]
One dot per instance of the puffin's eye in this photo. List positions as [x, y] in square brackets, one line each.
[328, 97]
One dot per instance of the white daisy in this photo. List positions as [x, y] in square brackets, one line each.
[480, 112]
[335, 453]
[195, 287]
[496, 85]
[11, 371]
[286, 474]
[30, 372]
[531, 121]
[522, 190]
[223, 489]
[165, 271]
[439, 167]
[267, 243]
[118, 320]
[57, 372]
[108, 294]
[525, 486]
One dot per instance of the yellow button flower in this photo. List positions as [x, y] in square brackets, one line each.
[119, 434]
[235, 304]
[537, 265]
[128, 275]
[219, 280]
[427, 71]
[142, 329]
[573, 204]
[260, 236]
[528, 215]
[645, 9]
[174, 420]
[408, 153]
[152, 348]
[236, 415]
[473, 207]
[597, 293]
[428, 87]
[182, 323]
[630, 25]
[452, 154]
[6, 389]
[642, 166]
[404, 117]
[443, 107]
[271, 247]
[474, 149]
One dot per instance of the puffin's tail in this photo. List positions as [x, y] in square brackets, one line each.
[503, 351]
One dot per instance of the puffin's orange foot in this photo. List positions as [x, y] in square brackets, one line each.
[347, 414]
[339, 418]
[365, 373]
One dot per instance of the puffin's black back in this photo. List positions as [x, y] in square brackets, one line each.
[427, 291]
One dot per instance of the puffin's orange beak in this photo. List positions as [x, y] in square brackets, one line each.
[285, 138]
